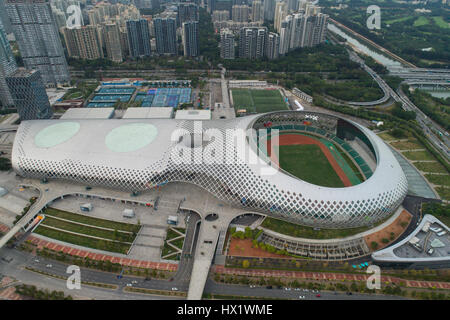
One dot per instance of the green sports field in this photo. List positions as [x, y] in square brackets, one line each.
[308, 163]
[258, 101]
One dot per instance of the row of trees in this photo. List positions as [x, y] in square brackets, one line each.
[33, 292]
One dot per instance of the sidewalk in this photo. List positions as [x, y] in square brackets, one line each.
[98, 256]
[102, 257]
[327, 276]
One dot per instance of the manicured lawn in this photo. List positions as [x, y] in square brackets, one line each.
[421, 21]
[439, 179]
[172, 234]
[268, 100]
[418, 155]
[299, 231]
[398, 20]
[441, 23]
[83, 241]
[308, 163]
[259, 101]
[242, 99]
[90, 231]
[386, 136]
[411, 144]
[434, 167]
[167, 249]
[444, 193]
[92, 221]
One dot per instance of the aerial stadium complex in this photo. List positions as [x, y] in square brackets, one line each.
[139, 154]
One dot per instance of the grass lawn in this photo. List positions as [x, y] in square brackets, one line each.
[444, 193]
[407, 145]
[398, 20]
[83, 241]
[299, 231]
[308, 163]
[439, 179]
[259, 101]
[168, 250]
[96, 222]
[441, 23]
[90, 231]
[421, 21]
[172, 234]
[178, 243]
[418, 155]
[434, 167]
[386, 136]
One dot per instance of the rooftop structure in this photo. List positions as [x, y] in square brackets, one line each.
[415, 249]
[193, 115]
[149, 113]
[88, 113]
[137, 155]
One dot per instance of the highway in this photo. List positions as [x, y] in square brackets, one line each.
[20, 260]
[429, 127]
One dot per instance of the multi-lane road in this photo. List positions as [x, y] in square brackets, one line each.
[430, 128]
[19, 261]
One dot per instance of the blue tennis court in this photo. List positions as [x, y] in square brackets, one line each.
[100, 104]
[112, 97]
[117, 90]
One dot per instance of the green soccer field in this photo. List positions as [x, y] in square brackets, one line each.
[258, 101]
[308, 163]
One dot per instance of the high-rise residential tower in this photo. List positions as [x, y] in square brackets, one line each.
[111, 36]
[82, 42]
[187, 12]
[226, 44]
[138, 38]
[39, 43]
[240, 13]
[252, 42]
[257, 13]
[273, 46]
[166, 36]
[190, 39]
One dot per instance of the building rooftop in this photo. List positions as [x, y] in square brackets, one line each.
[88, 113]
[193, 115]
[149, 113]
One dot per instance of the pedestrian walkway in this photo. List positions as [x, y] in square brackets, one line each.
[40, 243]
[327, 276]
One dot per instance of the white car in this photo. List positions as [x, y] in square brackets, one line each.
[174, 289]
[49, 266]
[134, 282]
[301, 297]
[36, 260]
[287, 289]
[129, 285]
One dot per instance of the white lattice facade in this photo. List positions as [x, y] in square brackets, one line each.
[121, 154]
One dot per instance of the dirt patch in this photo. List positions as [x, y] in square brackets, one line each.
[396, 228]
[243, 248]
[296, 139]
